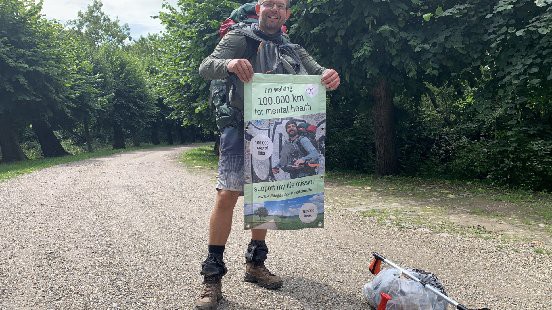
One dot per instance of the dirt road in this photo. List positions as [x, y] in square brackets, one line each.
[129, 232]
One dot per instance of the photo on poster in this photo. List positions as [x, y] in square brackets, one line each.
[296, 213]
[285, 148]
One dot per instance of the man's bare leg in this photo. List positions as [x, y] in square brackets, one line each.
[220, 223]
[258, 234]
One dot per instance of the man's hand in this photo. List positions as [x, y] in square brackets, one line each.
[242, 68]
[298, 162]
[330, 79]
[275, 170]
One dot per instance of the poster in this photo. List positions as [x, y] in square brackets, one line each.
[285, 132]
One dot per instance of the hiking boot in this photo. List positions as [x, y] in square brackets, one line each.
[259, 274]
[210, 295]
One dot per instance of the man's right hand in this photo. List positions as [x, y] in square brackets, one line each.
[242, 68]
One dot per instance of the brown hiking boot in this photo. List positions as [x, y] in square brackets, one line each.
[210, 296]
[259, 274]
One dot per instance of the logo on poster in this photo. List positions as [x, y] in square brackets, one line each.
[261, 147]
[311, 90]
[308, 212]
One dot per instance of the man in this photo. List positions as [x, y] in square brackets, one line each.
[297, 154]
[232, 58]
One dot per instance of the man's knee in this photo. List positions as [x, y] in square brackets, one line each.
[227, 199]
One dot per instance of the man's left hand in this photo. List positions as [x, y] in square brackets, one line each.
[330, 79]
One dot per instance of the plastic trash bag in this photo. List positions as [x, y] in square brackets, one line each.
[406, 293]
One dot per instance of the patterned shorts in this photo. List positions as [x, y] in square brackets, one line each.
[230, 167]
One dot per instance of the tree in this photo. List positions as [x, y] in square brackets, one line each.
[98, 28]
[84, 93]
[114, 84]
[150, 50]
[505, 133]
[261, 212]
[31, 80]
[130, 106]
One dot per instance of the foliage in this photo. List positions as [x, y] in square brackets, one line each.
[191, 35]
[486, 60]
[261, 212]
[349, 143]
[98, 28]
[32, 79]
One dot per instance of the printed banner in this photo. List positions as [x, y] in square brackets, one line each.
[285, 132]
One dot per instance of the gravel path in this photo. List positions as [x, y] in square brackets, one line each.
[129, 232]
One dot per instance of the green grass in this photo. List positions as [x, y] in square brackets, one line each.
[542, 251]
[201, 157]
[530, 206]
[11, 170]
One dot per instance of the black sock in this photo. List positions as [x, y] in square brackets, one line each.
[218, 250]
[257, 242]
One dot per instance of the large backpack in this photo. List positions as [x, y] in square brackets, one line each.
[244, 14]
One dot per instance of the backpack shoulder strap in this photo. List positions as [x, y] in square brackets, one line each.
[252, 39]
[246, 30]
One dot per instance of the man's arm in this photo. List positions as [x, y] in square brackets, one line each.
[308, 62]
[312, 154]
[230, 49]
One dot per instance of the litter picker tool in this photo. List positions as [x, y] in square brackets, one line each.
[375, 268]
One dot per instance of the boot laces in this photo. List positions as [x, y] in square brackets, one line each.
[265, 270]
[209, 290]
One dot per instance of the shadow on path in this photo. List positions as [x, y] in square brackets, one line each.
[310, 294]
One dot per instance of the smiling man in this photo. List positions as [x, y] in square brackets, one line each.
[261, 48]
[296, 154]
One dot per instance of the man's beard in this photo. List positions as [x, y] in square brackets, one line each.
[270, 27]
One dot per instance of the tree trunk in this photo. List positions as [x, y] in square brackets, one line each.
[216, 147]
[87, 136]
[135, 139]
[181, 134]
[155, 134]
[9, 146]
[49, 143]
[168, 132]
[384, 129]
[118, 137]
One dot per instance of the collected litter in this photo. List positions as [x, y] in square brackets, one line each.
[406, 289]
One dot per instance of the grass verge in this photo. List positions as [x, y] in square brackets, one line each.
[11, 170]
[201, 157]
[472, 197]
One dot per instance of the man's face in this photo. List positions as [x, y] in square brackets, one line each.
[272, 14]
[291, 129]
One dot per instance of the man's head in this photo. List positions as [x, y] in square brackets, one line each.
[272, 14]
[291, 128]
